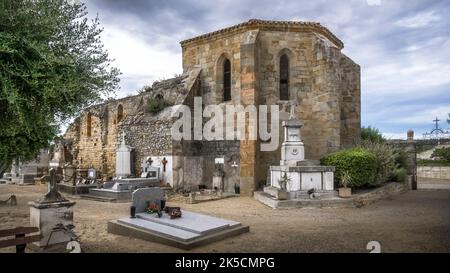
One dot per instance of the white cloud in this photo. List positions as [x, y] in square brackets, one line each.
[139, 61]
[419, 20]
[373, 2]
[403, 47]
[394, 135]
[425, 116]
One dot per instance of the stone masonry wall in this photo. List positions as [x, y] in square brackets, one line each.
[324, 83]
[148, 133]
[438, 172]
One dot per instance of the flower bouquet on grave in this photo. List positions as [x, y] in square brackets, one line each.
[174, 212]
[152, 207]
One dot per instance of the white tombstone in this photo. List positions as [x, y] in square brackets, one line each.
[292, 149]
[123, 159]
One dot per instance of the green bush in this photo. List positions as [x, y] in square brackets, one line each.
[401, 159]
[387, 157]
[442, 153]
[371, 134]
[154, 105]
[359, 164]
[399, 175]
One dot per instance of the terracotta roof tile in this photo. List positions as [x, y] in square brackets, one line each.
[257, 23]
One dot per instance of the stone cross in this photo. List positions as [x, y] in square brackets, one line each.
[52, 195]
[149, 161]
[164, 162]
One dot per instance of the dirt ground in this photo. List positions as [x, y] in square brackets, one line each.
[416, 221]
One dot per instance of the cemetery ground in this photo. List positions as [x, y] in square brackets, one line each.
[415, 221]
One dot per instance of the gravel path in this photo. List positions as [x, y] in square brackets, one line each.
[416, 221]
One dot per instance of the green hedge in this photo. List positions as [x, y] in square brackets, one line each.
[360, 164]
[399, 175]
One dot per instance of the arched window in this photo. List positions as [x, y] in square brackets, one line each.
[284, 77]
[89, 125]
[119, 113]
[226, 80]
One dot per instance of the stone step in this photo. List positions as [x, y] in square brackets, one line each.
[97, 198]
[308, 162]
[323, 194]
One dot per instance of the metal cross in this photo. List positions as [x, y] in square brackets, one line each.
[164, 162]
[437, 123]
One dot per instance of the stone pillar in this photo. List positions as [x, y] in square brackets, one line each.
[412, 159]
[292, 149]
[248, 96]
[410, 135]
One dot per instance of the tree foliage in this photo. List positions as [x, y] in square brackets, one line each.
[52, 65]
[372, 134]
[442, 153]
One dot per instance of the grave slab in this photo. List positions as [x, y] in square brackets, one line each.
[189, 231]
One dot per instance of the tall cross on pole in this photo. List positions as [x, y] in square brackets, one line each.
[436, 126]
[437, 123]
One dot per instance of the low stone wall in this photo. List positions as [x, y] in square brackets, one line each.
[357, 200]
[383, 192]
[437, 172]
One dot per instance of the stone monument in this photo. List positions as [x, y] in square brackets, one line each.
[292, 149]
[124, 163]
[297, 178]
[53, 215]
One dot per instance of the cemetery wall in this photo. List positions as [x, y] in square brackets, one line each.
[437, 172]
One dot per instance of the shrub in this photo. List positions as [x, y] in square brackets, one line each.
[430, 162]
[399, 175]
[359, 164]
[154, 105]
[442, 153]
[387, 157]
[371, 134]
[401, 159]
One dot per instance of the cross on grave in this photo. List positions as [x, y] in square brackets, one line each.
[52, 195]
[164, 162]
[149, 161]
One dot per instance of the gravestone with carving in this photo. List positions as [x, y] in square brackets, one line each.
[53, 215]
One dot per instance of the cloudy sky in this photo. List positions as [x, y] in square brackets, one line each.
[403, 47]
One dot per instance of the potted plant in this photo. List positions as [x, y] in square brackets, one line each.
[345, 191]
[283, 182]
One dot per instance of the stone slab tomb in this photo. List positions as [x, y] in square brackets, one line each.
[189, 231]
